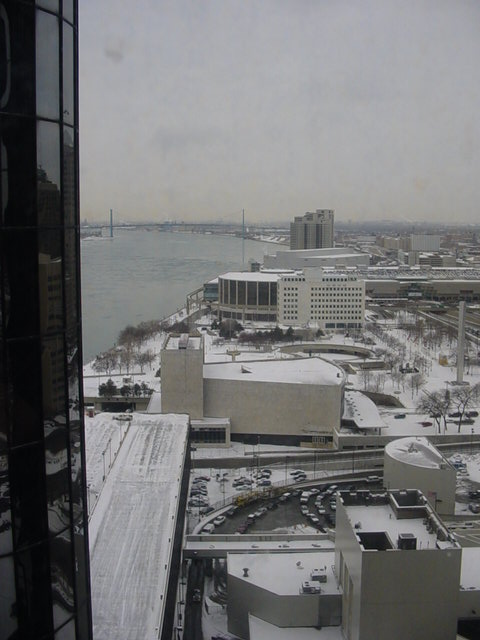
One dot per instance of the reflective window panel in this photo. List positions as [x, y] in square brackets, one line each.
[69, 177]
[52, 5]
[8, 598]
[68, 78]
[67, 632]
[27, 478]
[47, 65]
[63, 596]
[24, 392]
[33, 592]
[48, 173]
[68, 10]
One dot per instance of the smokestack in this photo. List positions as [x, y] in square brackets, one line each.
[461, 342]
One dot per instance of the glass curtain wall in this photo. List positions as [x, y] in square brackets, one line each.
[44, 569]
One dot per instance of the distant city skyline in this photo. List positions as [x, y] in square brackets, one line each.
[194, 110]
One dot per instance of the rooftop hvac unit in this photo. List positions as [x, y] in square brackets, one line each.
[318, 575]
[311, 587]
[407, 541]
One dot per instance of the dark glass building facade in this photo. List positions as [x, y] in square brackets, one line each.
[44, 568]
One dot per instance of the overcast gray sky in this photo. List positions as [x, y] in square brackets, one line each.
[194, 109]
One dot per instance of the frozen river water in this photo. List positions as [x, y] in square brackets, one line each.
[145, 275]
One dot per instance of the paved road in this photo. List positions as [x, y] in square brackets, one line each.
[193, 610]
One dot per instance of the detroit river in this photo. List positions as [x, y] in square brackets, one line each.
[145, 275]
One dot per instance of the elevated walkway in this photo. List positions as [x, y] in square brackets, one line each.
[217, 546]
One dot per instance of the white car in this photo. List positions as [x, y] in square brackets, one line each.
[219, 520]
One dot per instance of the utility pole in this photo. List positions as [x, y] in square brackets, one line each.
[243, 237]
[111, 223]
[461, 342]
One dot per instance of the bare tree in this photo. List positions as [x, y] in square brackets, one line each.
[436, 404]
[144, 358]
[462, 398]
[417, 380]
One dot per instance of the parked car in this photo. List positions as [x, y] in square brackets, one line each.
[264, 483]
[219, 520]
[208, 528]
[300, 477]
[474, 507]
[400, 416]
[472, 414]
[231, 512]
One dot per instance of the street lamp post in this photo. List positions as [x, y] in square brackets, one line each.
[103, 457]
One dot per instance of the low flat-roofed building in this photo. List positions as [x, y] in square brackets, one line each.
[261, 630]
[332, 257]
[362, 413]
[398, 567]
[290, 401]
[415, 463]
[136, 528]
[277, 587]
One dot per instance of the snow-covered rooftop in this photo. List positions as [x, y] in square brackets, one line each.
[283, 573]
[417, 451]
[470, 575]
[134, 523]
[251, 276]
[362, 411]
[261, 630]
[292, 371]
[381, 517]
[183, 341]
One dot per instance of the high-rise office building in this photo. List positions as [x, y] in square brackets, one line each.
[312, 230]
[44, 567]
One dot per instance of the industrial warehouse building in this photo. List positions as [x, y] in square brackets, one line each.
[290, 401]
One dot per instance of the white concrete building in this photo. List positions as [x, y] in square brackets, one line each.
[414, 463]
[284, 401]
[287, 590]
[398, 567]
[325, 297]
[330, 299]
[182, 375]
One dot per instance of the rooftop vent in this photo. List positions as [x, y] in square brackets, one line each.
[245, 572]
[407, 541]
[183, 341]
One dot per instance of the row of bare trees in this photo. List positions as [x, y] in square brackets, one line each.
[123, 358]
[449, 403]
